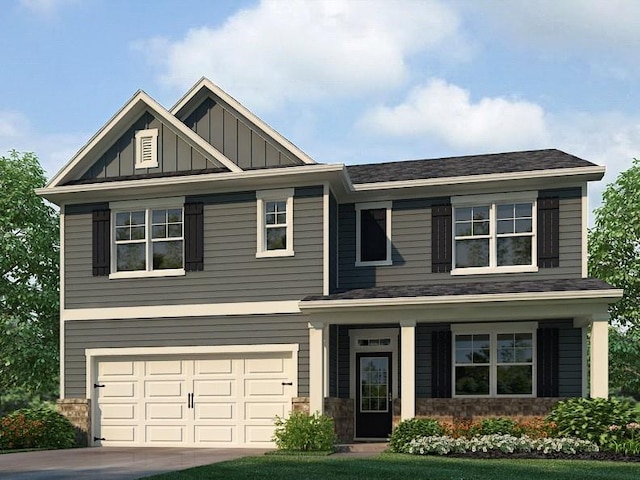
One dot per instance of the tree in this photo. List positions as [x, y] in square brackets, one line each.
[29, 246]
[614, 256]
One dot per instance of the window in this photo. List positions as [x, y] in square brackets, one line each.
[147, 148]
[373, 234]
[147, 241]
[275, 223]
[494, 363]
[492, 236]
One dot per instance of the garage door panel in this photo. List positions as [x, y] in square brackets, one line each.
[164, 367]
[118, 390]
[218, 366]
[265, 365]
[215, 435]
[165, 411]
[258, 434]
[164, 389]
[264, 411]
[112, 368]
[165, 434]
[118, 412]
[214, 388]
[119, 433]
[214, 411]
[264, 387]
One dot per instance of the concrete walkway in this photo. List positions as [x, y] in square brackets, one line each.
[111, 463]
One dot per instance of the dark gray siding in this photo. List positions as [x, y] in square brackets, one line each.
[174, 154]
[570, 358]
[411, 249]
[238, 140]
[232, 273]
[171, 332]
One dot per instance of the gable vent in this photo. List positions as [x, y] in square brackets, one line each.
[147, 148]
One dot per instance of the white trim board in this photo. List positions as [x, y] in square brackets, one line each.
[177, 311]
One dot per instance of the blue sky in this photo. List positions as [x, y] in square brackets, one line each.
[347, 81]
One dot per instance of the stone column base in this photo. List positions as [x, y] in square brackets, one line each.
[78, 411]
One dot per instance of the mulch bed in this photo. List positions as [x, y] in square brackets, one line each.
[603, 456]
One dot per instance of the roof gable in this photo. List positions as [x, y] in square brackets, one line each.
[208, 110]
[141, 109]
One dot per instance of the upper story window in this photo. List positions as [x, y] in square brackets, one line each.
[147, 241]
[373, 234]
[275, 223]
[494, 235]
[147, 148]
[494, 360]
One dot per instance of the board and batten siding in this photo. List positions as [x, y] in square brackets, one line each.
[411, 250]
[174, 154]
[232, 273]
[241, 143]
[176, 332]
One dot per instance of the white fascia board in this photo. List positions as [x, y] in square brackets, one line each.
[164, 185]
[177, 311]
[241, 109]
[595, 173]
[132, 106]
[400, 302]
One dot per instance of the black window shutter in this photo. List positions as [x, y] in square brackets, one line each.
[101, 242]
[441, 241]
[548, 349]
[194, 237]
[441, 364]
[548, 232]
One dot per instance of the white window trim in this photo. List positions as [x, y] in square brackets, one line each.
[147, 205]
[492, 201]
[140, 134]
[264, 196]
[493, 329]
[369, 206]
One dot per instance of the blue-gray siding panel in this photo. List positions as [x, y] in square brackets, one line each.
[174, 332]
[232, 273]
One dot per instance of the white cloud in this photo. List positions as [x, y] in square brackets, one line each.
[305, 50]
[447, 112]
[53, 150]
[46, 7]
[579, 26]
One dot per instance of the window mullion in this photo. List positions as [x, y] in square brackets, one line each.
[147, 238]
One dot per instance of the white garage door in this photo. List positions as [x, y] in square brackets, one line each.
[214, 401]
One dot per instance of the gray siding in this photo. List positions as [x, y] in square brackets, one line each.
[172, 332]
[174, 154]
[241, 142]
[411, 250]
[570, 358]
[232, 273]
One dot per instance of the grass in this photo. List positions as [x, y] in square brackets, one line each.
[389, 466]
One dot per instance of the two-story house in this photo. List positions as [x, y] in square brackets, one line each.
[214, 276]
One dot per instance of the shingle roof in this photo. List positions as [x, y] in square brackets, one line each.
[473, 288]
[467, 165]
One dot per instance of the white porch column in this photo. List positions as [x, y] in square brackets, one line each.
[599, 366]
[316, 367]
[325, 352]
[408, 368]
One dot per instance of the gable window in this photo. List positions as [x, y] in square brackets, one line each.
[275, 223]
[494, 235]
[147, 240]
[147, 148]
[493, 360]
[373, 234]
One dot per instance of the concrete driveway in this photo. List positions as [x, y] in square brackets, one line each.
[110, 463]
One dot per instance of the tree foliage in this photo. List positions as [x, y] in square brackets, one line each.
[29, 299]
[614, 256]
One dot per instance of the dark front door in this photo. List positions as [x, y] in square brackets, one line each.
[373, 396]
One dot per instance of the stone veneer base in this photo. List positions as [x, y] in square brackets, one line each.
[78, 411]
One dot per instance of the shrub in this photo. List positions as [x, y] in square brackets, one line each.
[442, 445]
[16, 399]
[590, 418]
[305, 433]
[40, 427]
[408, 430]
[495, 426]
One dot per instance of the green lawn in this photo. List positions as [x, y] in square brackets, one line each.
[403, 467]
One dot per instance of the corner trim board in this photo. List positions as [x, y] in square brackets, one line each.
[171, 311]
